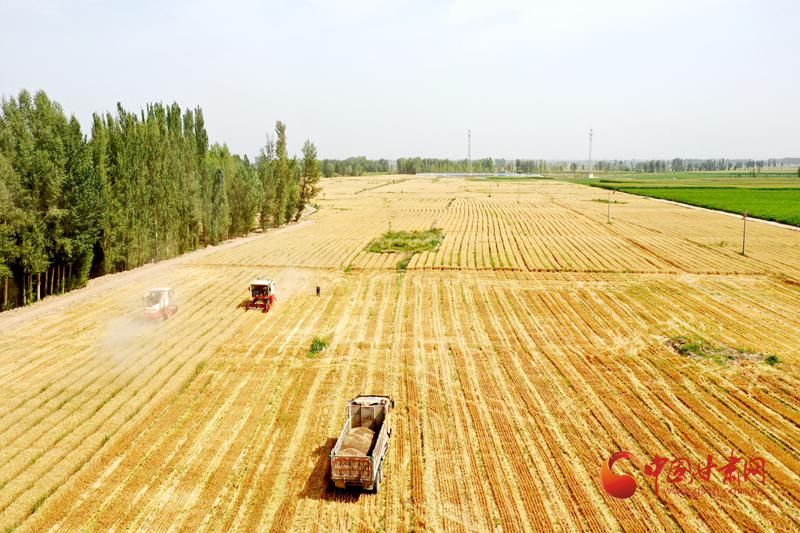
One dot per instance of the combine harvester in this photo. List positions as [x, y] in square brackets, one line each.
[159, 304]
[357, 458]
[263, 293]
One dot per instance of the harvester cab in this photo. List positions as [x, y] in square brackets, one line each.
[160, 304]
[262, 292]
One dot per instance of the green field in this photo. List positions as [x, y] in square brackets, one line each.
[772, 197]
[780, 205]
[772, 180]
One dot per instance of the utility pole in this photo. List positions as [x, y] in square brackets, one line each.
[590, 151]
[608, 221]
[744, 233]
[469, 152]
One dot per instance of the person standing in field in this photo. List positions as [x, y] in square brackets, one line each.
[318, 291]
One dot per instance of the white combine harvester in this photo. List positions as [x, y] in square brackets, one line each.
[160, 304]
[263, 294]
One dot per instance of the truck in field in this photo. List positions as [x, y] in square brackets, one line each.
[357, 458]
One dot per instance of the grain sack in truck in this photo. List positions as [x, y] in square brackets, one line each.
[357, 458]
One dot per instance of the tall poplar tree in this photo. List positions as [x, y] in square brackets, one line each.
[284, 172]
[309, 177]
[219, 208]
[266, 175]
[245, 195]
[8, 214]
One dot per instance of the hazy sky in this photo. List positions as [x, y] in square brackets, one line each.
[655, 79]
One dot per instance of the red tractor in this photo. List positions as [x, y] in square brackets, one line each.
[263, 293]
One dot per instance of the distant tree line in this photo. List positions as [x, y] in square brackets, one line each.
[689, 165]
[354, 166]
[357, 166]
[146, 187]
[652, 166]
[414, 165]
[530, 166]
[692, 165]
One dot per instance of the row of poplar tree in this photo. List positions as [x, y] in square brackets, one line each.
[414, 165]
[145, 187]
[354, 166]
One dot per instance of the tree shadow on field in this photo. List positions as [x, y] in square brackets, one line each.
[319, 485]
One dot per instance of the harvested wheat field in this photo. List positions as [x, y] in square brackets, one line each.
[536, 341]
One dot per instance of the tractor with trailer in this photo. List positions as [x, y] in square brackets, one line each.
[262, 292]
[159, 304]
[357, 458]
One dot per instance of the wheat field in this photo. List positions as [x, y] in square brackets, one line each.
[533, 343]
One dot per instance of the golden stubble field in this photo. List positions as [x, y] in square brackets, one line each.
[521, 354]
